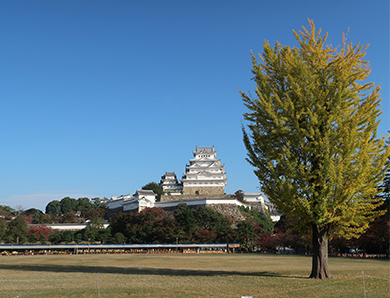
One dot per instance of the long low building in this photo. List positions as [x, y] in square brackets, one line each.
[112, 248]
[201, 202]
[66, 226]
[148, 199]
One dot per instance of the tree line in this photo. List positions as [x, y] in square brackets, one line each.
[199, 225]
[13, 222]
[67, 210]
[152, 225]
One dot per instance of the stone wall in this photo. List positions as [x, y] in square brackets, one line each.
[230, 211]
[203, 190]
[179, 198]
[112, 212]
[257, 206]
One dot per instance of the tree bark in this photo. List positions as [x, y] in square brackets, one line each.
[320, 268]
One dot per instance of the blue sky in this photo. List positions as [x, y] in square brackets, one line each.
[99, 98]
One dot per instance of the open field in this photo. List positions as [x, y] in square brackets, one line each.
[223, 275]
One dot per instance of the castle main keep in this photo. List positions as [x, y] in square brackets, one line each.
[203, 176]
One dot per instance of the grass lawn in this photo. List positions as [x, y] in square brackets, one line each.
[224, 275]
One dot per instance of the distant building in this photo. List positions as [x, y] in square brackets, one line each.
[273, 212]
[66, 226]
[253, 197]
[140, 200]
[204, 175]
[170, 184]
[257, 197]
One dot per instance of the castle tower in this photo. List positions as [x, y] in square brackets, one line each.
[170, 184]
[204, 175]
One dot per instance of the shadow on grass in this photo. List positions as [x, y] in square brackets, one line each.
[137, 271]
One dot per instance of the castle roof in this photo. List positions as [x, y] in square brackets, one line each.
[205, 149]
[170, 174]
[145, 192]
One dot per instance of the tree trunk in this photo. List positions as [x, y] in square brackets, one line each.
[320, 268]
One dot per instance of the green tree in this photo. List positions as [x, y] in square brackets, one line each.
[53, 208]
[246, 235]
[68, 205]
[210, 219]
[96, 203]
[3, 228]
[239, 194]
[185, 217]
[35, 214]
[78, 237]
[83, 204]
[119, 238]
[55, 238]
[7, 209]
[9, 239]
[312, 137]
[67, 236]
[151, 225]
[95, 224]
[17, 228]
[42, 239]
[157, 188]
[91, 236]
[93, 228]
[260, 218]
[7, 212]
[70, 217]
[33, 238]
[105, 236]
[46, 218]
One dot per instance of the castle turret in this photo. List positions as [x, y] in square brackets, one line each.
[170, 184]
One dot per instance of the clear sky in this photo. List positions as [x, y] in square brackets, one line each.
[99, 98]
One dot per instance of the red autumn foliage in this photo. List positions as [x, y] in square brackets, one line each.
[27, 218]
[39, 230]
[266, 240]
[94, 213]
[206, 236]
[7, 215]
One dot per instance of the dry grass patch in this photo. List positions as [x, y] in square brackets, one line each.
[228, 275]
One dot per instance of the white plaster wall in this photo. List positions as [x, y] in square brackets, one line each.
[254, 197]
[200, 202]
[67, 227]
[131, 206]
[114, 204]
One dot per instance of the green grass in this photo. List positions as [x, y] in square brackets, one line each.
[225, 275]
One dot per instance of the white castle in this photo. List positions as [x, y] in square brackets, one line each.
[203, 176]
[203, 183]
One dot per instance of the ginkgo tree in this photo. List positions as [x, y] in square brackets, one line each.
[311, 136]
